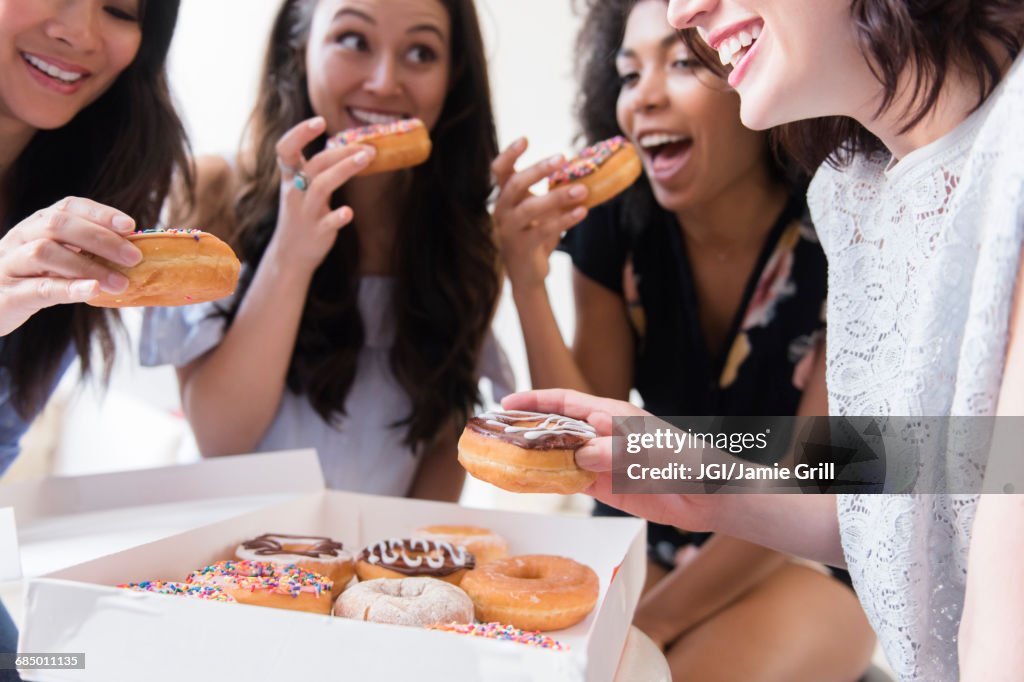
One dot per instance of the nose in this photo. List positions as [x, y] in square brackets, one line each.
[686, 13]
[649, 92]
[76, 23]
[384, 79]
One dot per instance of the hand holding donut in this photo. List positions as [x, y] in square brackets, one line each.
[44, 261]
[306, 225]
[529, 226]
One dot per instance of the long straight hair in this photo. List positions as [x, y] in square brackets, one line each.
[122, 150]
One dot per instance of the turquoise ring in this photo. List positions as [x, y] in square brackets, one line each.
[301, 181]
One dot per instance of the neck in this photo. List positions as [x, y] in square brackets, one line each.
[374, 201]
[14, 138]
[725, 224]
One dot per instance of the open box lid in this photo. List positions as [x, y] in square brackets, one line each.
[143, 505]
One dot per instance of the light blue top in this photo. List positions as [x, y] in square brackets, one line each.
[363, 451]
[12, 425]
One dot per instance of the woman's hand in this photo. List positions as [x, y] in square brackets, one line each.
[306, 226]
[529, 226]
[694, 512]
[45, 259]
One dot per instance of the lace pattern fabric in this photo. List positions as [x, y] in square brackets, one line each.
[923, 257]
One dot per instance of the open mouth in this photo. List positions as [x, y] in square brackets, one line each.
[732, 50]
[665, 151]
[51, 70]
[369, 118]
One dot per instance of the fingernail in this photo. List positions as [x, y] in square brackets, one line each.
[589, 458]
[130, 255]
[579, 213]
[520, 144]
[123, 223]
[83, 289]
[361, 159]
[557, 160]
[577, 192]
[316, 122]
[116, 283]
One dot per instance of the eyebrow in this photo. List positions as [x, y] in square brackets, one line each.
[668, 41]
[418, 28]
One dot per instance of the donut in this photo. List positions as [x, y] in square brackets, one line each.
[207, 592]
[398, 558]
[533, 592]
[178, 267]
[309, 552]
[485, 545]
[401, 144]
[503, 633]
[410, 601]
[606, 168]
[526, 452]
[263, 583]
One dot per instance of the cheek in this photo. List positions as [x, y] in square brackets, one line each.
[624, 115]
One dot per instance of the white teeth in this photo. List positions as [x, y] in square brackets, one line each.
[725, 53]
[51, 70]
[735, 45]
[755, 32]
[745, 39]
[703, 33]
[374, 118]
[652, 140]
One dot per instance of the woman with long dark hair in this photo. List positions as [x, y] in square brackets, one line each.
[89, 142]
[702, 287]
[913, 111]
[363, 342]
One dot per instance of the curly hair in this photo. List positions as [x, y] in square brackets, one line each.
[445, 258]
[925, 39]
[122, 150]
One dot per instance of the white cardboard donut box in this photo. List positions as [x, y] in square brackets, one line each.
[137, 636]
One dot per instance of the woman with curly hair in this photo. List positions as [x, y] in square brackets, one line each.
[365, 302]
[701, 287]
[911, 110]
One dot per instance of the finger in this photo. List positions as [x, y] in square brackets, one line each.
[100, 214]
[566, 402]
[289, 147]
[517, 188]
[71, 223]
[327, 183]
[335, 220]
[43, 292]
[551, 209]
[47, 258]
[334, 155]
[596, 455]
[504, 165]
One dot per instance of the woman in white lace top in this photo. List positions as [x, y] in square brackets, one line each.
[921, 214]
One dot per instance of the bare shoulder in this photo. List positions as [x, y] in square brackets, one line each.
[213, 206]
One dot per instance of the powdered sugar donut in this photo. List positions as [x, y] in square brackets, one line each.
[408, 601]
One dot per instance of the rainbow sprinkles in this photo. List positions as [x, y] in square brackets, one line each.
[588, 162]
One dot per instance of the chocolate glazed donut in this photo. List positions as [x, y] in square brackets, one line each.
[526, 452]
[401, 558]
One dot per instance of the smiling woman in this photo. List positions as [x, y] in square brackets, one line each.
[366, 300]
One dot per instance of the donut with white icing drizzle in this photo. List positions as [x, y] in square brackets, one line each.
[526, 452]
[415, 557]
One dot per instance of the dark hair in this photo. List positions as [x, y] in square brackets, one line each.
[923, 38]
[122, 150]
[597, 45]
[444, 260]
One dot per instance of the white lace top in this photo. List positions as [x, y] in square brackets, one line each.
[923, 256]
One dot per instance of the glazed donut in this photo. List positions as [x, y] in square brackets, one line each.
[534, 592]
[606, 168]
[526, 452]
[178, 267]
[207, 592]
[410, 601]
[401, 144]
[396, 558]
[485, 545]
[263, 583]
[310, 552]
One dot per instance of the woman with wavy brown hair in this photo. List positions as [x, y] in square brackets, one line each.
[913, 108]
[82, 86]
[365, 302]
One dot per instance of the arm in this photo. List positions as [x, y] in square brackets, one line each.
[228, 401]
[528, 229]
[440, 476]
[993, 618]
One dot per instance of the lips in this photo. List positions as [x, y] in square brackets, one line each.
[665, 153]
[54, 74]
[367, 117]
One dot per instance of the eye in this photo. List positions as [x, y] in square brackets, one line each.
[352, 41]
[628, 78]
[121, 13]
[421, 54]
[686, 64]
